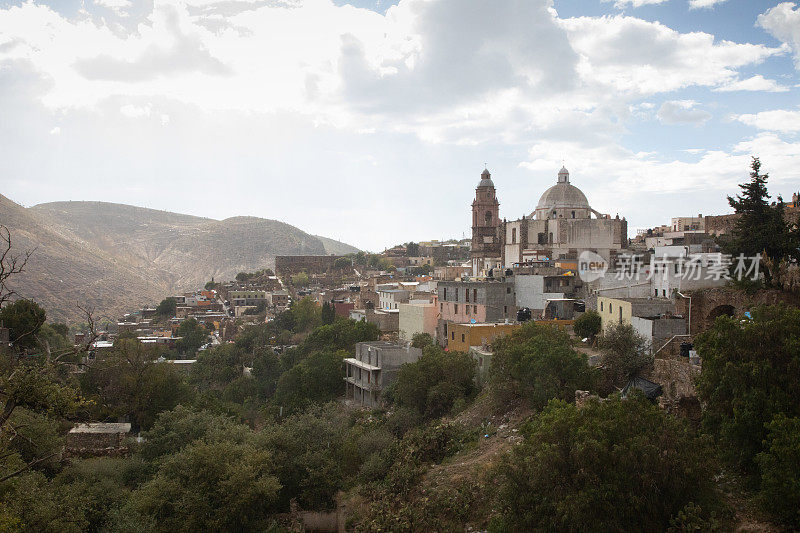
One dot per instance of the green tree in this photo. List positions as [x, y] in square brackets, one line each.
[618, 465]
[588, 325]
[761, 227]
[537, 363]
[432, 384]
[129, 381]
[412, 249]
[342, 263]
[211, 486]
[318, 378]
[421, 340]
[167, 307]
[306, 314]
[779, 467]
[625, 353]
[309, 451]
[328, 314]
[750, 374]
[192, 336]
[24, 319]
[300, 280]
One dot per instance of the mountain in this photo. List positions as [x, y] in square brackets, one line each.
[116, 257]
[336, 247]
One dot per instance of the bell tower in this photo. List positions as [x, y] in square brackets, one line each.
[486, 242]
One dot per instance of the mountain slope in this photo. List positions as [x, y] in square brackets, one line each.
[64, 271]
[335, 247]
[116, 256]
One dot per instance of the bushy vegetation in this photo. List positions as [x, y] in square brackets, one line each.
[751, 385]
[537, 363]
[619, 465]
[435, 383]
[625, 353]
[588, 325]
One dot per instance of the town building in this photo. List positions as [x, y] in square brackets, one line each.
[486, 250]
[417, 317]
[621, 310]
[561, 227]
[373, 368]
[480, 301]
[461, 337]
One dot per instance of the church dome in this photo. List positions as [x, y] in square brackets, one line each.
[486, 179]
[564, 199]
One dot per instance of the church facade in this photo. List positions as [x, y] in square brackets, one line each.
[561, 227]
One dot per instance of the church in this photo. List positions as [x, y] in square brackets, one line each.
[561, 227]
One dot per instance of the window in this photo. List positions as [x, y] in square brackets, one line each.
[508, 290]
[455, 308]
[445, 294]
[466, 295]
[462, 337]
[475, 295]
[601, 303]
[573, 214]
[441, 307]
[514, 236]
[664, 291]
[505, 309]
[475, 309]
[677, 268]
[488, 217]
[610, 309]
[466, 309]
[452, 335]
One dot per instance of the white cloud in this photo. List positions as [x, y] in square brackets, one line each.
[345, 100]
[754, 83]
[682, 112]
[118, 6]
[55, 131]
[707, 4]
[132, 111]
[635, 56]
[783, 22]
[782, 120]
[621, 4]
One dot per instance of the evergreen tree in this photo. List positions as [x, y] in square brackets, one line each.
[328, 313]
[761, 228]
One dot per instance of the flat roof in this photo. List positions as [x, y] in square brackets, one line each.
[102, 427]
[360, 364]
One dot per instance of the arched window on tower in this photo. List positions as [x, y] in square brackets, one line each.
[514, 236]
[488, 218]
[573, 214]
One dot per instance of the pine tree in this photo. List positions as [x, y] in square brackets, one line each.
[761, 228]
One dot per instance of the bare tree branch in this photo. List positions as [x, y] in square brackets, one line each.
[27, 466]
[10, 264]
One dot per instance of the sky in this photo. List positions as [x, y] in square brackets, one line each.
[371, 121]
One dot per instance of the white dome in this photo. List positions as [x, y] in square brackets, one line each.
[563, 198]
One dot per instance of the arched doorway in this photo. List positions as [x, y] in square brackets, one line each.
[720, 310]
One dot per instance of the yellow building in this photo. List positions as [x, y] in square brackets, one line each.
[461, 336]
[620, 310]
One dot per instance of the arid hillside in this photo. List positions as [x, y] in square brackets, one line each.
[114, 256]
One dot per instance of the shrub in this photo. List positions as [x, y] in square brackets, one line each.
[779, 465]
[537, 363]
[588, 324]
[618, 465]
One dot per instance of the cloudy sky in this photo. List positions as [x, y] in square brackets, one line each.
[370, 122]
